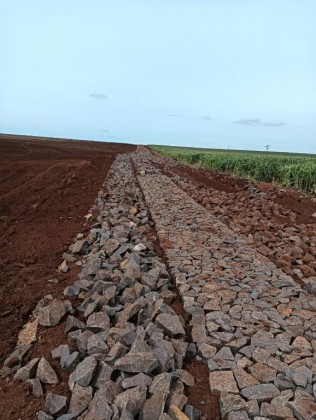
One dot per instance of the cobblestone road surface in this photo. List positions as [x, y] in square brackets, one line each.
[253, 325]
[125, 346]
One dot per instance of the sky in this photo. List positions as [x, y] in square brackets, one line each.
[203, 73]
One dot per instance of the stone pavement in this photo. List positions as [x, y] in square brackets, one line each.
[258, 217]
[250, 322]
[129, 343]
[253, 325]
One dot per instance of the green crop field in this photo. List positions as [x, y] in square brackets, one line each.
[290, 170]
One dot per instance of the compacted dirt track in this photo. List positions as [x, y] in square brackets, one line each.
[47, 186]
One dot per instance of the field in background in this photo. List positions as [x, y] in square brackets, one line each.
[290, 170]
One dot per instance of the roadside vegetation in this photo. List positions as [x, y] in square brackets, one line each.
[286, 169]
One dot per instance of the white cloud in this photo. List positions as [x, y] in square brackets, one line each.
[99, 96]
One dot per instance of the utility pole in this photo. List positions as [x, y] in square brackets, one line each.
[267, 147]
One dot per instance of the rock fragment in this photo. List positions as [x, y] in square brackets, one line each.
[80, 247]
[99, 407]
[103, 374]
[223, 381]
[132, 400]
[303, 409]
[55, 404]
[192, 412]
[153, 407]
[45, 373]
[263, 372]
[17, 355]
[170, 324]
[28, 371]
[50, 315]
[137, 380]
[41, 415]
[262, 392]
[81, 397]
[161, 384]
[184, 376]
[231, 402]
[244, 379]
[84, 372]
[137, 362]
[28, 334]
[99, 321]
[176, 414]
[37, 389]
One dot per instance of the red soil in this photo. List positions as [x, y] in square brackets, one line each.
[47, 186]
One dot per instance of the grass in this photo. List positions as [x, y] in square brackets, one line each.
[291, 170]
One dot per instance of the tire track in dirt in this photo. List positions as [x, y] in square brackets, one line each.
[28, 152]
[40, 175]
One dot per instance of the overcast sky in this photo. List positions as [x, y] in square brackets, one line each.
[209, 73]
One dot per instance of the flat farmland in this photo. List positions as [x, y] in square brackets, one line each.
[290, 170]
[47, 186]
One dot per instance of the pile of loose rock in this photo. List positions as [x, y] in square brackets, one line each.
[130, 344]
[251, 322]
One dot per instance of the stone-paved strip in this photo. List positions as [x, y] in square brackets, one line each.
[261, 220]
[253, 325]
[129, 343]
